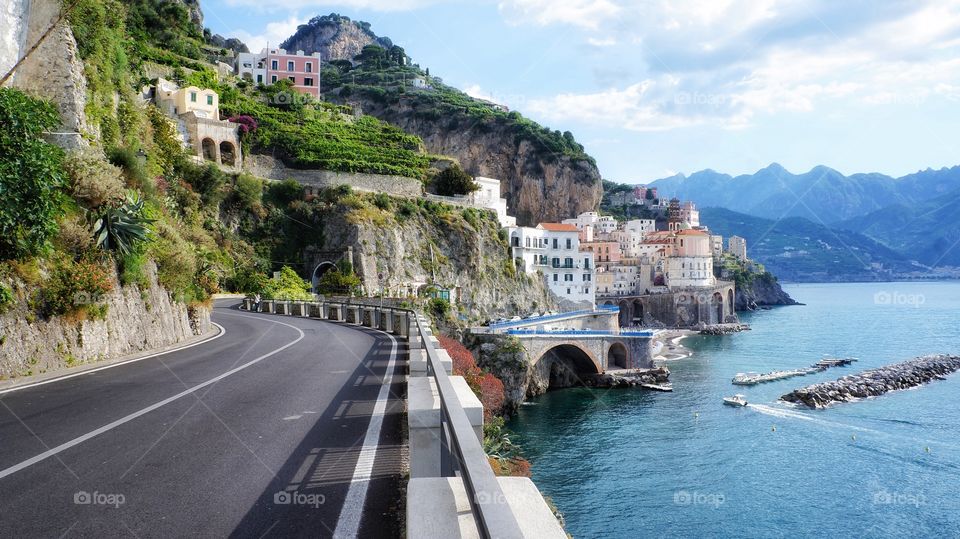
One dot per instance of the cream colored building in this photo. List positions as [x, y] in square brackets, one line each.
[174, 101]
[738, 247]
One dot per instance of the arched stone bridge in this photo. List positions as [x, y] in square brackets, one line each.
[591, 353]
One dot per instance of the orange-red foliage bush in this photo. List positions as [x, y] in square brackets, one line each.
[487, 387]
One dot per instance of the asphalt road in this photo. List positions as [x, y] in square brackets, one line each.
[281, 427]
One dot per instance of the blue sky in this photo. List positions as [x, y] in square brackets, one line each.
[656, 87]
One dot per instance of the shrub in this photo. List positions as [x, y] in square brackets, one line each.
[133, 269]
[207, 181]
[74, 286]
[133, 171]
[6, 297]
[248, 191]
[487, 387]
[246, 124]
[439, 308]
[337, 281]
[281, 194]
[454, 181]
[121, 228]
[31, 174]
[289, 286]
[74, 235]
[93, 181]
[382, 201]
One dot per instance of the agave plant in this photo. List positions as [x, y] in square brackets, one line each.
[121, 227]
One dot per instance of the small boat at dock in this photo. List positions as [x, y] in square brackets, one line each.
[658, 387]
[736, 400]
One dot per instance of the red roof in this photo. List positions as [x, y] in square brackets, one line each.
[558, 227]
[691, 232]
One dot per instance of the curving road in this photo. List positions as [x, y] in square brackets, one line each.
[280, 427]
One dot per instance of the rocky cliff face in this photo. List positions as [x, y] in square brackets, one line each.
[468, 258]
[539, 186]
[136, 320]
[335, 37]
[759, 293]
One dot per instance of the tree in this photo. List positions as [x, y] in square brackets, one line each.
[339, 282]
[31, 174]
[454, 181]
[288, 285]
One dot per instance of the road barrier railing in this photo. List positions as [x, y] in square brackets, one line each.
[450, 473]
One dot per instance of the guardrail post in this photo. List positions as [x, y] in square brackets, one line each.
[267, 306]
[386, 320]
[247, 304]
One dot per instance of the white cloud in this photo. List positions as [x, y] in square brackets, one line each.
[583, 13]
[730, 62]
[602, 42]
[273, 33]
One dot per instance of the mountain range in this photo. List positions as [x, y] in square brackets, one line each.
[916, 216]
[822, 195]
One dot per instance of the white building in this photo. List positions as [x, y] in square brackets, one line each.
[633, 234]
[252, 66]
[489, 197]
[554, 250]
[716, 245]
[690, 214]
[691, 263]
[592, 223]
[737, 247]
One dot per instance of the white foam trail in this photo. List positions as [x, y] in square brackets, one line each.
[790, 414]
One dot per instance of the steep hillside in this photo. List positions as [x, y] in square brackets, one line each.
[821, 195]
[546, 174]
[796, 249]
[928, 231]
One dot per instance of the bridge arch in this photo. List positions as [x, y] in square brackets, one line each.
[228, 153]
[731, 305]
[718, 305]
[637, 313]
[209, 150]
[618, 357]
[567, 364]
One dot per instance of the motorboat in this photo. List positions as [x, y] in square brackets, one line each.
[736, 400]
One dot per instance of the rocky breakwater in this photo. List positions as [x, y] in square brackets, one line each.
[635, 378]
[876, 382]
[722, 329]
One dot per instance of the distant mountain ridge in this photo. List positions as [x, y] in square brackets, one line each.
[822, 195]
[796, 249]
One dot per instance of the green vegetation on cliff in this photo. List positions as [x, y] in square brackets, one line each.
[384, 77]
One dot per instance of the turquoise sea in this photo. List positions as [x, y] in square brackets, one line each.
[634, 463]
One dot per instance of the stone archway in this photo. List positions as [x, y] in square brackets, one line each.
[318, 272]
[732, 306]
[209, 150]
[718, 305]
[637, 312]
[625, 319]
[618, 357]
[566, 365]
[228, 153]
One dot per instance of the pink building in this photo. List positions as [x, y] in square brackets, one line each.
[302, 70]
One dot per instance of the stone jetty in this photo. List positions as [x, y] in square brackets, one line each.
[632, 378]
[722, 329]
[875, 382]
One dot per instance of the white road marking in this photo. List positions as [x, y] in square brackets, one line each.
[110, 426]
[112, 365]
[348, 525]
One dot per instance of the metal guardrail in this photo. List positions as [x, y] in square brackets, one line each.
[461, 452]
[581, 332]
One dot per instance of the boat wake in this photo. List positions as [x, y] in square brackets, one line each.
[793, 414]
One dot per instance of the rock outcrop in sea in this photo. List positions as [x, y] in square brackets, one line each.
[874, 382]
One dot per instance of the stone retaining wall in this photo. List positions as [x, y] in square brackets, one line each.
[265, 166]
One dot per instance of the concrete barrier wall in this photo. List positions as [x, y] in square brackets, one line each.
[437, 505]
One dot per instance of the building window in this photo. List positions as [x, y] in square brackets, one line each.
[568, 277]
[273, 78]
[308, 81]
[275, 64]
[309, 67]
[210, 100]
[292, 79]
[568, 262]
[568, 291]
[569, 243]
[555, 243]
[555, 277]
[290, 66]
[259, 79]
[556, 262]
[193, 97]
